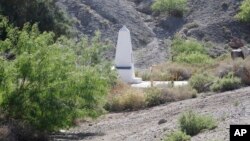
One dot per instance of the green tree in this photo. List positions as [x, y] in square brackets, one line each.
[43, 86]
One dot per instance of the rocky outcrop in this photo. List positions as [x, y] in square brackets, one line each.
[109, 16]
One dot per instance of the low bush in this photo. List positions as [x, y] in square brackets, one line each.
[227, 83]
[244, 14]
[178, 136]
[178, 73]
[194, 59]
[242, 70]
[169, 71]
[201, 82]
[154, 96]
[179, 93]
[189, 51]
[172, 7]
[192, 123]
[127, 100]
[145, 75]
[186, 46]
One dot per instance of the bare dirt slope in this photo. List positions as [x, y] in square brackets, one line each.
[228, 108]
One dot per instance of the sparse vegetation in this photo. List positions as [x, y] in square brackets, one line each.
[191, 123]
[172, 7]
[202, 82]
[180, 93]
[226, 83]
[178, 136]
[194, 59]
[154, 96]
[189, 46]
[127, 100]
[189, 51]
[244, 14]
[169, 71]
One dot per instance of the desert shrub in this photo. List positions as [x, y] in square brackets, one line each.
[242, 70]
[43, 86]
[192, 123]
[201, 82]
[189, 46]
[145, 75]
[244, 14]
[189, 51]
[154, 96]
[129, 99]
[177, 72]
[172, 7]
[178, 136]
[194, 59]
[227, 83]
[179, 93]
[169, 71]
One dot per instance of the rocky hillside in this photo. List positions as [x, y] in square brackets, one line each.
[206, 20]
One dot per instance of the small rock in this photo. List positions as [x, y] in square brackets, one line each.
[161, 121]
[165, 129]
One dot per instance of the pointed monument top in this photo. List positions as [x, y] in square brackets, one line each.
[124, 28]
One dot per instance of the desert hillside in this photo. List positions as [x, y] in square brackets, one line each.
[210, 21]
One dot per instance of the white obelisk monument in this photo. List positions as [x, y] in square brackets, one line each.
[124, 57]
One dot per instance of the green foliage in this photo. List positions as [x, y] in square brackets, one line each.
[44, 86]
[189, 46]
[129, 99]
[154, 97]
[45, 12]
[201, 82]
[172, 7]
[194, 59]
[244, 14]
[178, 136]
[226, 83]
[189, 51]
[92, 53]
[192, 123]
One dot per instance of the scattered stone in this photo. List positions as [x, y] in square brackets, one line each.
[161, 121]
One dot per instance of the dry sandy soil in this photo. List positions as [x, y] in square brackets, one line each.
[228, 108]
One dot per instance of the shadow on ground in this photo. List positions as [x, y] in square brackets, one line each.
[73, 136]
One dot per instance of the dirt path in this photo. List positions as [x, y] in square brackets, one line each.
[228, 108]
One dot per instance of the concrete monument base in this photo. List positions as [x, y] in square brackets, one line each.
[147, 84]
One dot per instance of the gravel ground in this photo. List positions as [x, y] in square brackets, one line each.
[228, 108]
